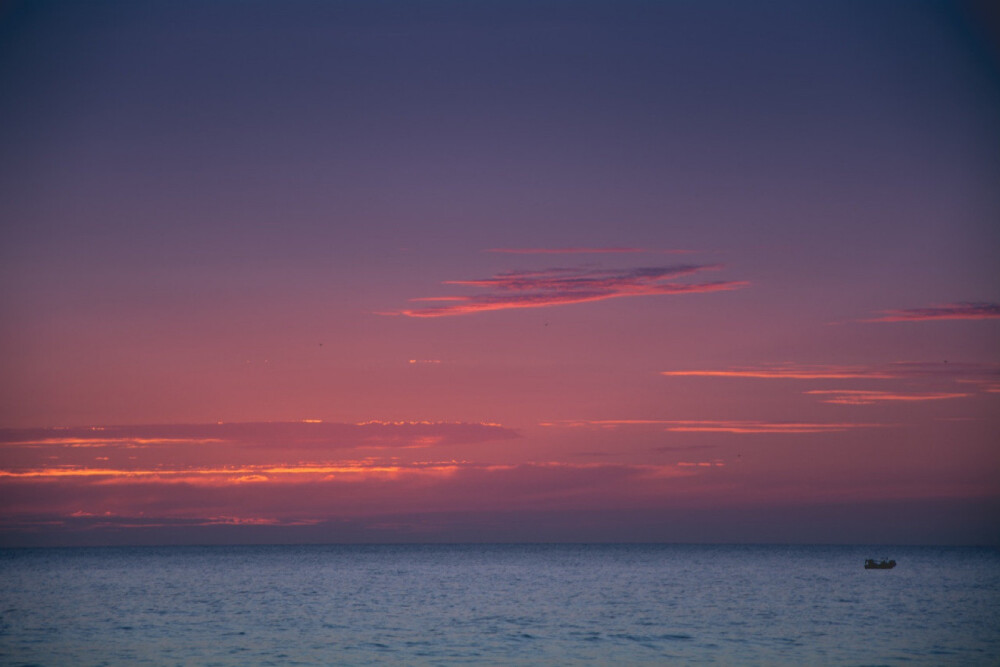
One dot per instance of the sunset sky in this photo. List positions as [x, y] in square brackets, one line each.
[499, 271]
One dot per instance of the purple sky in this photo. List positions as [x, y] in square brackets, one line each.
[582, 271]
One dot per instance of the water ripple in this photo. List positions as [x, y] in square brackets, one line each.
[511, 605]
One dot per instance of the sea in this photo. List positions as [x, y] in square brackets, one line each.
[566, 604]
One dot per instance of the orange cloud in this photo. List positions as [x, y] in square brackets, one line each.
[307, 433]
[239, 521]
[790, 372]
[343, 471]
[722, 426]
[890, 371]
[864, 397]
[562, 286]
[764, 427]
[240, 474]
[237, 451]
[304, 494]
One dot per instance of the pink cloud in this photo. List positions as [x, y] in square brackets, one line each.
[951, 311]
[562, 286]
[984, 385]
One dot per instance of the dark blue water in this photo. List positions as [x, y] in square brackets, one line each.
[499, 605]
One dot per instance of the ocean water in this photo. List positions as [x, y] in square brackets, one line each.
[499, 605]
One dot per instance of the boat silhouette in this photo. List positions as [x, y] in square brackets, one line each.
[872, 564]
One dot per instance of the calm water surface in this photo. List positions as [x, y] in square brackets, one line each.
[499, 605]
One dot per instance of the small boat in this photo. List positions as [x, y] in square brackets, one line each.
[872, 564]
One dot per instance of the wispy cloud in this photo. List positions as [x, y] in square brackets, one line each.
[865, 397]
[566, 251]
[307, 433]
[237, 474]
[788, 371]
[614, 250]
[59, 498]
[894, 370]
[979, 310]
[372, 469]
[106, 520]
[722, 425]
[682, 448]
[248, 448]
[739, 426]
[562, 286]
[985, 385]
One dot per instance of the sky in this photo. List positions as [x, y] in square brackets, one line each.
[426, 271]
